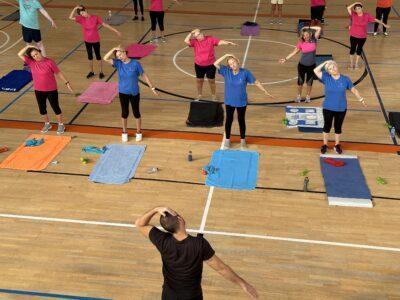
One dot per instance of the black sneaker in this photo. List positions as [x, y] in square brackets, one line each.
[101, 75]
[135, 18]
[89, 75]
[324, 148]
[142, 18]
[338, 149]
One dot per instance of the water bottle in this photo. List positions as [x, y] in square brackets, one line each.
[392, 132]
[305, 184]
[109, 15]
[190, 156]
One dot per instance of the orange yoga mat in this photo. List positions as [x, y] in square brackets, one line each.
[36, 158]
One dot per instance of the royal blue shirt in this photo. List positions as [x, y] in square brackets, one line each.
[335, 92]
[128, 76]
[235, 85]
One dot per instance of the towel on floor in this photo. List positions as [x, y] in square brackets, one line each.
[139, 50]
[233, 169]
[99, 93]
[36, 158]
[118, 164]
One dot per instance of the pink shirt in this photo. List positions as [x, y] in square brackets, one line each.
[90, 27]
[306, 47]
[204, 54]
[43, 74]
[317, 2]
[156, 5]
[359, 24]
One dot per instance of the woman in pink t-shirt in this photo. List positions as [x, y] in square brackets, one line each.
[45, 84]
[90, 28]
[156, 11]
[358, 30]
[204, 58]
[307, 45]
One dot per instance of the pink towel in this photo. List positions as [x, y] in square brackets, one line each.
[139, 50]
[100, 93]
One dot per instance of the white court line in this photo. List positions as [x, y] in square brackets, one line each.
[174, 61]
[221, 233]
[249, 41]
[8, 48]
[7, 38]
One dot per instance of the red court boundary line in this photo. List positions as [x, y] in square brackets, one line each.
[192, 12]
[207, 137]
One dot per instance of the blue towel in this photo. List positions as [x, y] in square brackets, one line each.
[345, 182]
[118, 164]
[233, 170]
[15, 80]
[94, 149]
[34, 142]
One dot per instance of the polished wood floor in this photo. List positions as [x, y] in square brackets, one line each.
[61, 234]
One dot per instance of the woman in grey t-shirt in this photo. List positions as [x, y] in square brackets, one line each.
[307, 45]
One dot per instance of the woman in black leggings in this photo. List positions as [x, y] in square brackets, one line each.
[236, 80]
[157, 17]
[383, 8]
[135, 8]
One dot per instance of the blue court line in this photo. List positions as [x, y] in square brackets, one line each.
[48, 295]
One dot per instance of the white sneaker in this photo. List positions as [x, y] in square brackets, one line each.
[139, 137]
[298, 99]
[243, 145]
[198, 98]
[214, 97]
[227, 144]
[385, 33]
[375, 33]
[308, 99]
[124, 137]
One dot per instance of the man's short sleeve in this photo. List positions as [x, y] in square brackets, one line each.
[207, 250]
[157, 237]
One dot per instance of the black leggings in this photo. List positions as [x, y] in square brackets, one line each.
[134, 100]
[337, 117]
[356, 45]
[317, 12]
[382, 12]
[41, 98]
[241, 112]
[157, 17]
[135, 6]
[89, 49]
[302, 71]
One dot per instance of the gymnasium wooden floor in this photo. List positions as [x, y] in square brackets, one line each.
[61, 234]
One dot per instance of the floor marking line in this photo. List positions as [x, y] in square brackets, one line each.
[250, 37]
[211, 232]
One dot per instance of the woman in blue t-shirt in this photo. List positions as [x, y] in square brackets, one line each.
[236, 80]
[129, 71]
[335, 103]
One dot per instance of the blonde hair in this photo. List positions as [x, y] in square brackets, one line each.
[232, 57]
[329, 64]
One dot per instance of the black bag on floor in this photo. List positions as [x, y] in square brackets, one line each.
[394, 119]
[205, 114]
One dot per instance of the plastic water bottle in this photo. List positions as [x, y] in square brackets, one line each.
[109, 15]
[392, 132]
[305, 184]
[190, 156]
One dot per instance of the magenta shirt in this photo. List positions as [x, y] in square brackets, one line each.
[156, 5]
[317, 3]
[43, 74]
[90, 28]
[359, 24]
[204, 54]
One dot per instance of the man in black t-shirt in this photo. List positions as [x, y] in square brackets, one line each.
[183, 255]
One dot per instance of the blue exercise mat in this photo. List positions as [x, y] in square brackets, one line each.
[345, 185]
[118, 164]
[320, 58]
[233, 169]
[15, 80]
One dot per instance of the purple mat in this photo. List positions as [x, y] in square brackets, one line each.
[99, 93]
